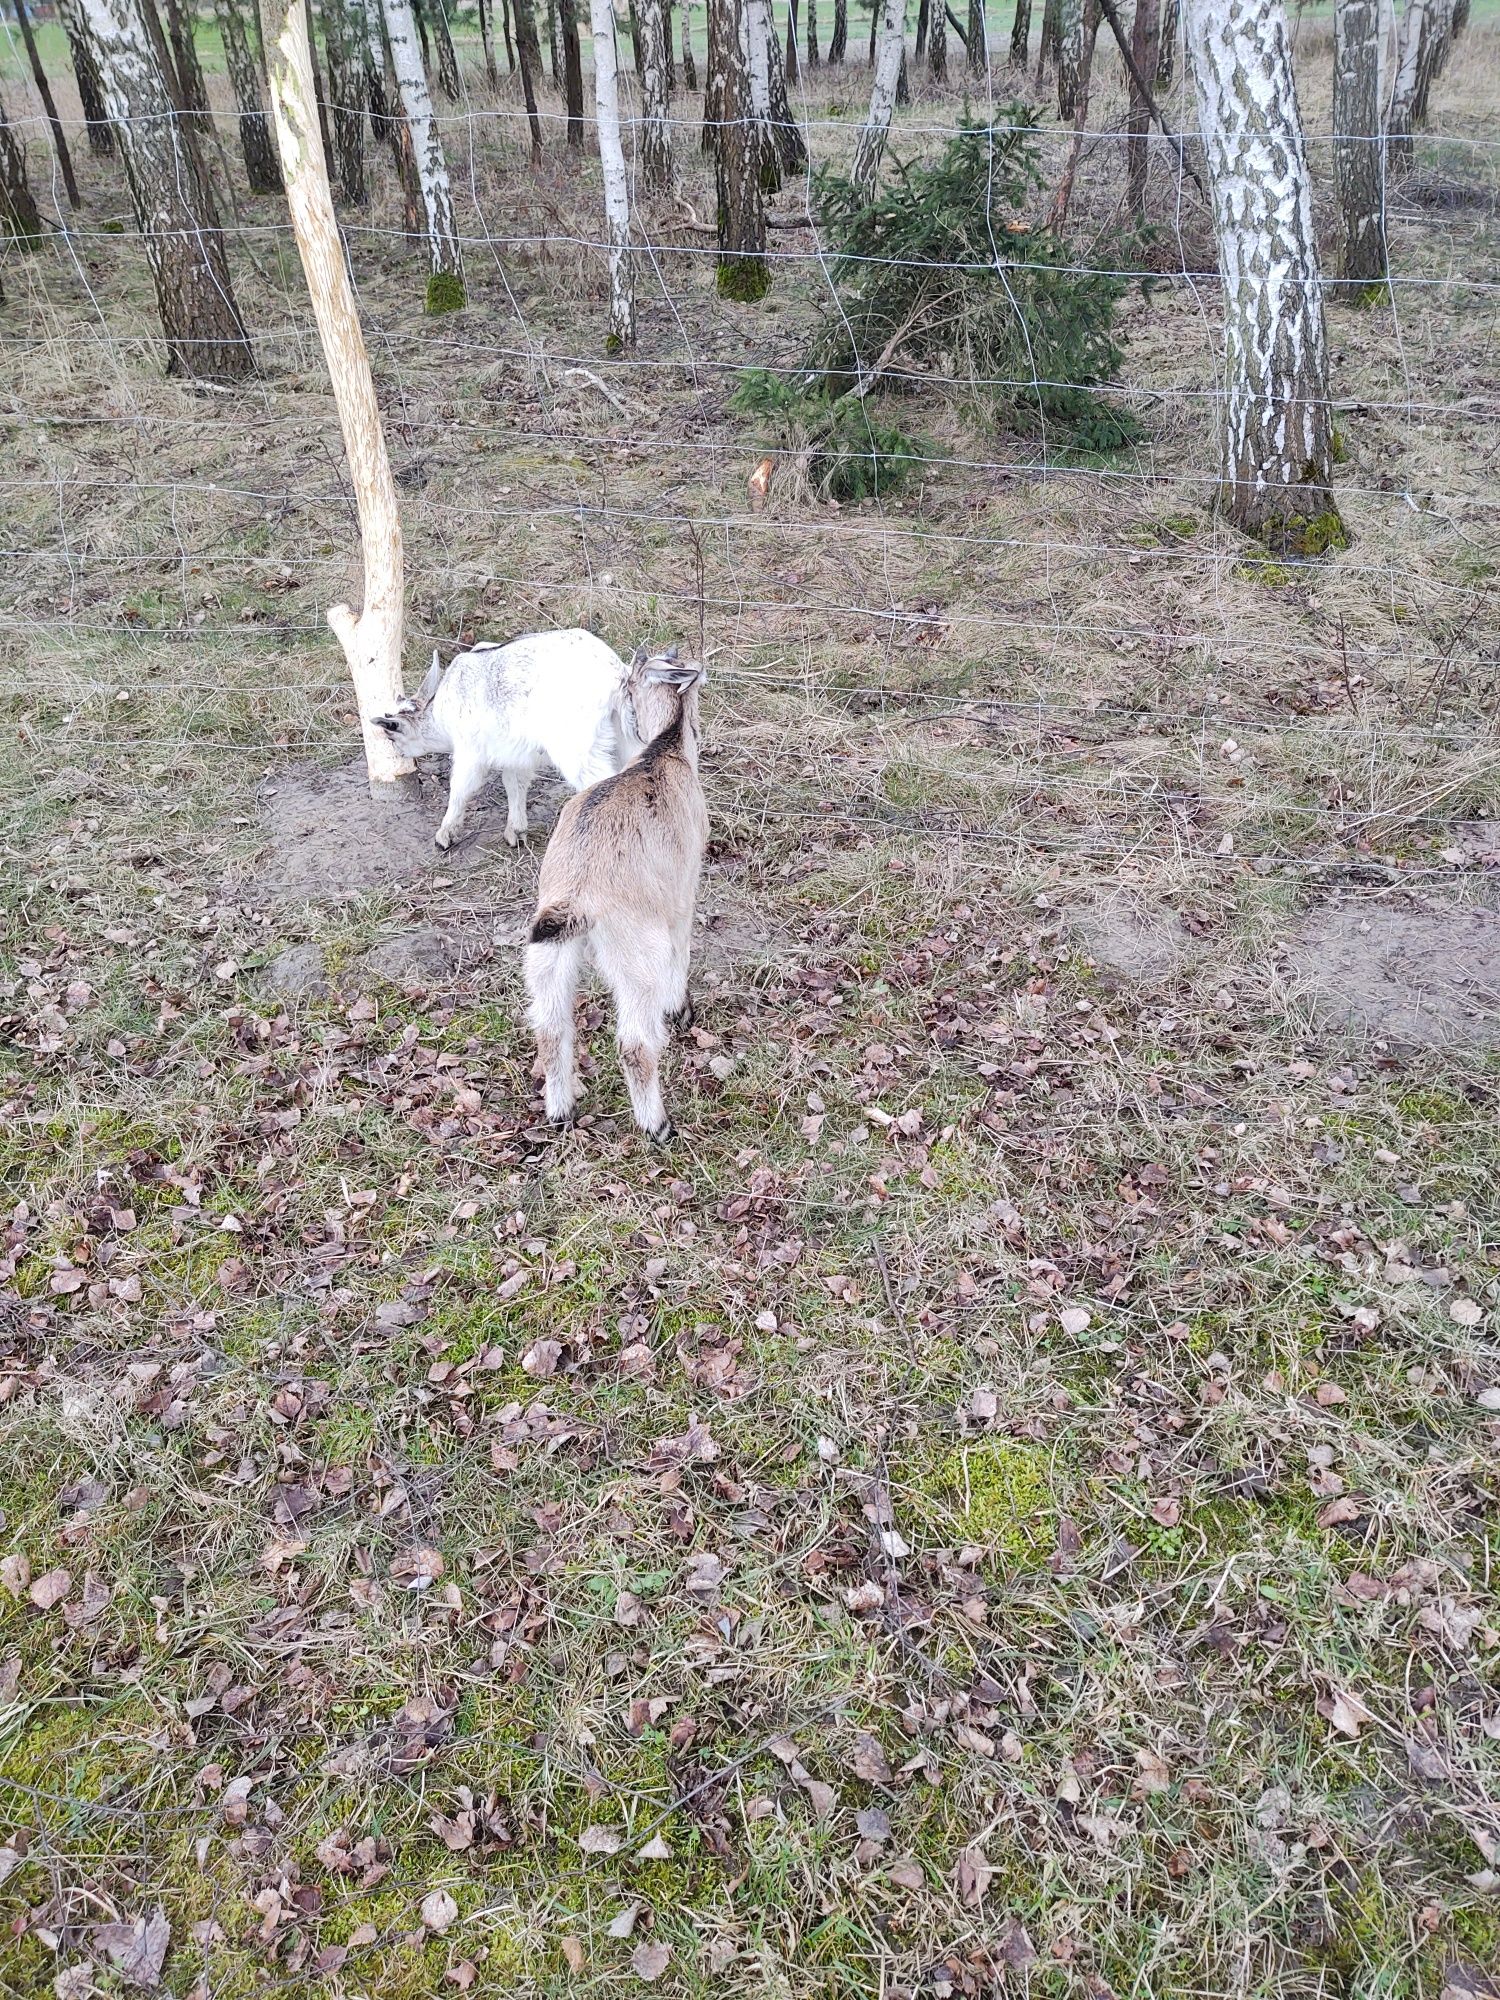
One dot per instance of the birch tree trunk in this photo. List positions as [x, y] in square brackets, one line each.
[554, 36]
[924, 9]
[1020, 34]
[447, 56]
[1144, 33]
[44, 92]
[1400, 120]
[812, 33]
[184, 246]
[1051, 38]
[839, 45]
[1168, 33]
[791, 41]
[742, 271]
[976, 42]
[657, 163]
[375, 95]
[90, 89]
[889, 53]
[616, 179]
[937, 43]
[1277, 443]
[194, 98]
[1070, 57]
[18, 210]
[372, 641]
[529, 53]
[1432, 55]
[1358, 149]
[785, 131]
[342, 39]
[689, 65]
[758, 28]
[259, 154]
[567, 15]
[487, 43]
[445, 285]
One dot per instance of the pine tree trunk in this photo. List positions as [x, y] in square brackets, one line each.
[1358, 149]
[342, 40]
[812, 33]
[689, 65]
[18, 210]
[616, 179]
[529, 54]
[567, 16]
[758, 28]
[184, 246]
[1143, 40]
[1400, 119]
[447, 56]
[1020, 34]
[937, 42]
[371, 642]
[445, 286]
[785, 131]
[1277, 446]
[1070, 58]
[889, 54]
[839, 46]
[656, 133]
[90, 89]
[1168, 33]
[487, 43]
[743, 272]
[261, 167]
[44, 91]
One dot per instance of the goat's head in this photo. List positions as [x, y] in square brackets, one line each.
[659, 687]
[410, 724]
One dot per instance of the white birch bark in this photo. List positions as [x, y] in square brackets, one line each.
[889, 51]
[1069, 58]
[1277, 440]
[616, 180]
[656, 132]
[1404, 93]
[173, 207]
[1358, 148]
[445, 286]
[758, 28]
[372, 641]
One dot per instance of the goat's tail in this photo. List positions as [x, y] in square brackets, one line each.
[555, 926]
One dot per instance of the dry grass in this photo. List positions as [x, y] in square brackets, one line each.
[1051, 1382]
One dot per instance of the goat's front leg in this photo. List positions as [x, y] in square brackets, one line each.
[517, 826]
[464, 781]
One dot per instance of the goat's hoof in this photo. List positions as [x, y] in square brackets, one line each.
[663, 1134]
[442, 840]
[512, 838]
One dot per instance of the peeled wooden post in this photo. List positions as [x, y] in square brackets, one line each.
[372, 641]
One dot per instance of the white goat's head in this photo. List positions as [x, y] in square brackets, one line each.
[410, 724]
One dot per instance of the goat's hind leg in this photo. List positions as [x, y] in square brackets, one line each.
[639, 972]
[681, 1013]
[551, 983]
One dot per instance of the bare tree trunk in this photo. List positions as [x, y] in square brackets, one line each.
[1070, 58]
[1358, 149]
[18, 210]
[567, 15]
[656, 133]
[1020, 34]
[1064, 195]
[889, 54]
[184, 246]
[743, 272]
[838, 47]
[319, 92]
[616, 179]
[977, 49]
[792, 75]
[812, 33]
[1168, 33]
[1051, 44]
[1143, 39]
[372, 641]
[669, 45]
[937, 43]
[44, 91]
[194, 92]
[345, 68]
[785, 131]
[1401, 119]
[529, 51]
[259, 154]
[924, 14]
[554, 36]
[445, 285]
[90, 89]
[447, 56]
[1432, 55]
[1277, 466]
[487, 42]
[510, 53]
[689, 66]
[759, 30]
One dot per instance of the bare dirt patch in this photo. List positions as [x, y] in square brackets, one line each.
[1427, 973]
[1141, 944]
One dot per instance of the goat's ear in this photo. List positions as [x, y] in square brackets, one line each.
[639, 658]
[670, 673]
[389, 723]
[430, 686]
[670, 655]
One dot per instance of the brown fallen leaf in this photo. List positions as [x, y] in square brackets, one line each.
[972, 1875]
[136, 1950]
[1155, 1773]
[601, 1840]
[574, 1953]
[869, 1760]
[1014, 1948]
[15, 1572]
[439, 1911]
[759, 485]
[650, 1961]
[907, 1873]
[1344, 1508]
[1345, 1711]
[50, 1589]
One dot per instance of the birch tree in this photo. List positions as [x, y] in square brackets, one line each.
[1401, 117]
[937, 43]
[786, 134]
[656, 132]
[256, 147]
[1069, 57]
[616, 179]
[19, 213]
[1358, 148]
[90, 88]
[689, 65]
[1277, 438]
[44, 92]
[1169, 31]
[742, 270]
[194, 91]
[1433, 50]
[487, 43]
[791, 41]
[371, 641]
[812, 33]
[758, 28]
[445, 283]
[1020, 33]
[343, 38]
[529, 55]
[977, 41]
[839, 44]
[173, 207]
[447, 57]
[890, 51]
[567, 15]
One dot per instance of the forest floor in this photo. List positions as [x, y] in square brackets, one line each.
[1009, 1499]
